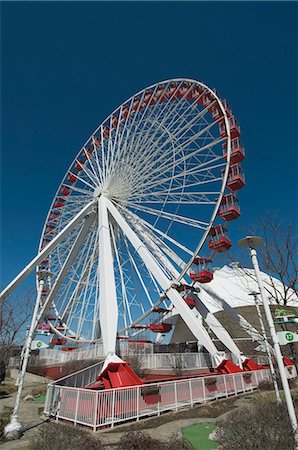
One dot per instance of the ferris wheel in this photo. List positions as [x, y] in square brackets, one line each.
[134, 223]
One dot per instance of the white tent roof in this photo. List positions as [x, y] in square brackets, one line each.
[234, 285]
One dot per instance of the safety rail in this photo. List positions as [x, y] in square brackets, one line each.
[111, 406]
[82, 377]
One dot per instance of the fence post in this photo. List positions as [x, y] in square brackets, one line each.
[113, 407]
[204, 389]
[225, 383]
[77, 405]
[242, 381]
[138, 403]
[190, 392]
[95, 410]
[235, 387]
[175, 390]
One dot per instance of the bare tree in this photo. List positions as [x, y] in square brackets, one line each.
[15, 311]
[278, 257]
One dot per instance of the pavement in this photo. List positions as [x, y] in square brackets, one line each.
[28, 414]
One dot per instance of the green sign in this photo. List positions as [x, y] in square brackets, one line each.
[289, 336]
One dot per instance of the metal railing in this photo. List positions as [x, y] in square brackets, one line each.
[165, 361]
[108, 407]
[82, 377]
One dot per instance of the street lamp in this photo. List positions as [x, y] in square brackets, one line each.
[267, 345]
[14, 429]
[251, 242]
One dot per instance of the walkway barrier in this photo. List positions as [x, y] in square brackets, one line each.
[111, 406]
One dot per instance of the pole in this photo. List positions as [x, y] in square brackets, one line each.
[267, 348]
[284, 380]
[14, 429]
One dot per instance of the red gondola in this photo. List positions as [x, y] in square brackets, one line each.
[79, 166]
[59, 341]
[59, 203]
[114, 121]
[95, 142]
[65, 191]
[106, 131]
[148, 98]
[125, 112]
[200, 271]
[227, 108]
[229, 209]
[237, 151]
[197, 95]
[136, 104]
[157, 309]
[72, 178]
[236, 179]
[160, 327]
[219, 242]
[160, 95]
[234, 128]
[171, 91]
[190, 302]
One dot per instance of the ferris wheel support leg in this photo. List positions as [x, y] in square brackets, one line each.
[218, 330]
[46, 251]
[107, 285]
[243, 323]
[68, 263]
[165, 283]
[14, 429]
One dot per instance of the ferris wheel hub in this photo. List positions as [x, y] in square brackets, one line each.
[97, 192]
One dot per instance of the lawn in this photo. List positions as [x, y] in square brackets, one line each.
[197, 436]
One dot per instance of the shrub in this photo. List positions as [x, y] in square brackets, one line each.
[266, 385]
[139, 440]
[39, 390]
[4, 419]
[210, 381]
[58, 436]
[262, 426]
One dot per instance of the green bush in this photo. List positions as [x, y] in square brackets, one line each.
[264, 425]
[59, 436]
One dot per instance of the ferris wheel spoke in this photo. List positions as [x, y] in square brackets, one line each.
[162, 123]
[81, 271]
[155, 231]
[173, 217]
[139, 276]
[157, 122]
[186, 156]
[205, 167]
[179, 134]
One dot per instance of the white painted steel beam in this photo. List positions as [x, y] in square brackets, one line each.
[165, 283]
[243, 323]
[68, 263]
[217, 328]
[46, 251]
[107, 286]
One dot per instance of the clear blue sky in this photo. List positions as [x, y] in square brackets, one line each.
[66, 66]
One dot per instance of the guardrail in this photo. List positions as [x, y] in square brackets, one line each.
[108, 407]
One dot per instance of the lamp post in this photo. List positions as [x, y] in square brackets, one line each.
[267, 346]
[251, 242]
[14, 429]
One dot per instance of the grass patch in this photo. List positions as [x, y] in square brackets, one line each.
[40, 399]
[197, 436]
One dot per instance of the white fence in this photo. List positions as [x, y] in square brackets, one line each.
[108, 407]
[166, 361]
